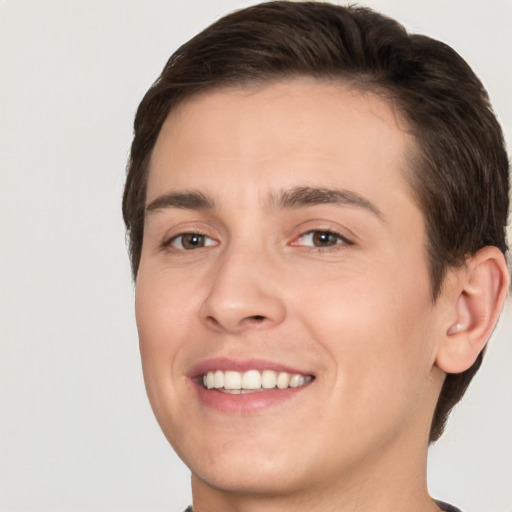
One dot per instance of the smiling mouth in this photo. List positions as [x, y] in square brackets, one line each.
[252, 381]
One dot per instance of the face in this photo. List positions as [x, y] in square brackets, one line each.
[287, 333]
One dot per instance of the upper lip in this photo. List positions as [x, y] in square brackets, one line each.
[241, 365]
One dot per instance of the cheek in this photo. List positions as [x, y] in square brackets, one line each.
[163, 306]
[162, 318]
[161, 315]
[373, 325]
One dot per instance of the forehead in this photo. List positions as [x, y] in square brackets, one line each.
[288, 133]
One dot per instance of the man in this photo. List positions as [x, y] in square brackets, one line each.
[316, 203]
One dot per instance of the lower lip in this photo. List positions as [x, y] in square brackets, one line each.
[247, 403]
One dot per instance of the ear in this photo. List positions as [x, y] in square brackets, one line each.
[477, 294]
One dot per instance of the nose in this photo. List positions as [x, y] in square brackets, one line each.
[243, 294]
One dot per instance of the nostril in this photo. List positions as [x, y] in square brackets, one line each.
[257, 318]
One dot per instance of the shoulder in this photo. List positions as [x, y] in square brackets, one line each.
[443, 506]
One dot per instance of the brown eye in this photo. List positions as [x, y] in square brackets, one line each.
[192, 241]
[321, 239]
[324, 239]
[189, 241]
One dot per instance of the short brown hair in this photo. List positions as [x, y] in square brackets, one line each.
[459, 168]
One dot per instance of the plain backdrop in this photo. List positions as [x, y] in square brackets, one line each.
[76, 431]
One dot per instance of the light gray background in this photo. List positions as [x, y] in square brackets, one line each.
[76, 432]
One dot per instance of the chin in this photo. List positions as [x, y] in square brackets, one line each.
[246, 466]
[248, 476]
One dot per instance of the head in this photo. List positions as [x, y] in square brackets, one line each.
[457, 165]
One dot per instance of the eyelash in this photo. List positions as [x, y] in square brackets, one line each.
[340, 240]
[169, 243]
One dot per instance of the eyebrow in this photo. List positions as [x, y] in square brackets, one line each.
[299, 197]
[295, 198]
[184, 200]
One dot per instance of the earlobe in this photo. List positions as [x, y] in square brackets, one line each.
[481, 288]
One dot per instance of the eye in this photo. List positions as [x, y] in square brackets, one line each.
[189, 241]
[319, 238]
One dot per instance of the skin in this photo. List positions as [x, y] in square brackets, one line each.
[357, 315]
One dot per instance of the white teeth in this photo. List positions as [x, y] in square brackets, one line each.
[296, 381]
[232, 380]
[210, 378]
[219, 379]
[268, 379]
[252, 380]
[283, 380]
